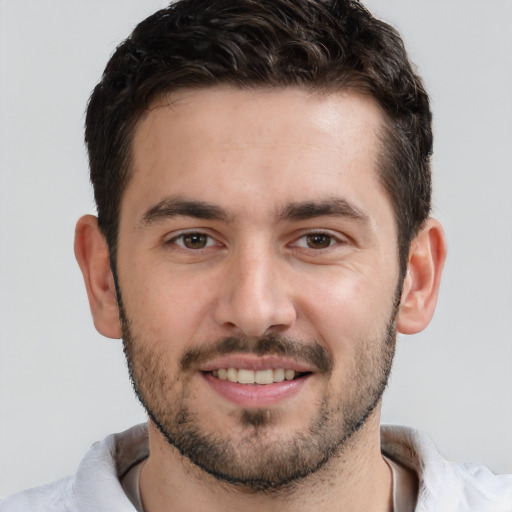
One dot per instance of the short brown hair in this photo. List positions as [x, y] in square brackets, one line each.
[319, 45]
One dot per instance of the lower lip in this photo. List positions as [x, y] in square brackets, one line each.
[255, 395]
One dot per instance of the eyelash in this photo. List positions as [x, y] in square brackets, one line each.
[209, 241]
[182, 236]
[331, 240]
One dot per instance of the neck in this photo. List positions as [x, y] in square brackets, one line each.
[356, 480]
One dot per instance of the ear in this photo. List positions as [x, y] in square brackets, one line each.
[427, 255]
[91, 252]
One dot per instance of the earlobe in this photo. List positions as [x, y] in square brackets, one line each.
[427, 255]
[92, 255]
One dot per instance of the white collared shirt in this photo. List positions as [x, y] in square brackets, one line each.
[96, 487]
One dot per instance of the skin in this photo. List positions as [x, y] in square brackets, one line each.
[252, 155]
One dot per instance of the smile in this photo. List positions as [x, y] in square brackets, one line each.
[263, 377]
[251, 388]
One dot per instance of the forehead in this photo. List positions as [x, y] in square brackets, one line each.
[279, 144]
[273, 115]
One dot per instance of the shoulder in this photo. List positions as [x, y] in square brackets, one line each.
[54, 497]
[95, 487]
[446, 485]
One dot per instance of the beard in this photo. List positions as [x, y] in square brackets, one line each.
[260, 457]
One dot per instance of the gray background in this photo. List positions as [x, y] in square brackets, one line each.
[62, 386]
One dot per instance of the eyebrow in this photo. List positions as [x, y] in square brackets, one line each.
[335, 207]
[175, 207]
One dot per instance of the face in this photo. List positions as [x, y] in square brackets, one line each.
[258, 274]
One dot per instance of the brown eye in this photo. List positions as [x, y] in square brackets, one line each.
[195, 240]
[318, 241]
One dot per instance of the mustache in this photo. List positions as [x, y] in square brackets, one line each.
[314, 354]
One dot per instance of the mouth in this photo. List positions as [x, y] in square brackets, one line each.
[261, 377]
[254, 382]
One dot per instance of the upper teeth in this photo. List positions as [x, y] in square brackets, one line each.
[244, 376]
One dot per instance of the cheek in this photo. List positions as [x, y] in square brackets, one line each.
[166, 306]
[348, 311]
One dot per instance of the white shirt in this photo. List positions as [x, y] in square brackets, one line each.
[444, 486]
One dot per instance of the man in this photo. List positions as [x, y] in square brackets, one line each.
[261, 171]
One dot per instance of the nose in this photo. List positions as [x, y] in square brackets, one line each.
[255, 298]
